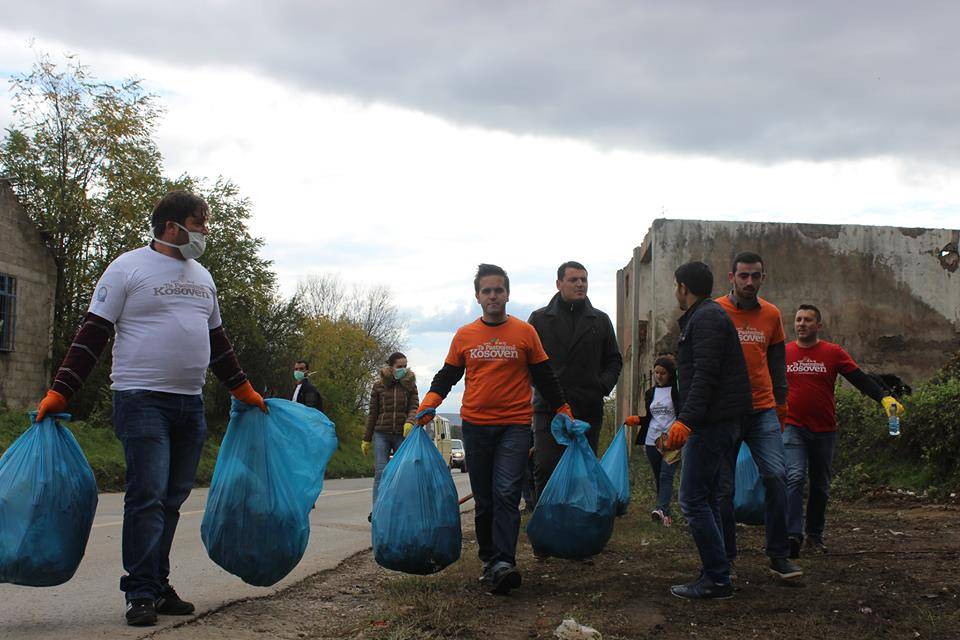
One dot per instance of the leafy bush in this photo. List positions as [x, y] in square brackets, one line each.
[925, 457]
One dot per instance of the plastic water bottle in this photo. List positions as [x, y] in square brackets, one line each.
[893, 422]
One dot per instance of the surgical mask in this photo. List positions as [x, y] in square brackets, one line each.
[399, 373]
[196, 244]
[299, 375]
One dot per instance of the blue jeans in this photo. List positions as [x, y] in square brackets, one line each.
[384, 445]
[496, 463]
[162, 436]
[704, 467]
[663, 474]
[805, 448]
[761, 431]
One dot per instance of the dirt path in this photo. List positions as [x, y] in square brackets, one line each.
[891, 572]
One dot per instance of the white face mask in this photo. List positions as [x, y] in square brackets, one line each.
[196, 243]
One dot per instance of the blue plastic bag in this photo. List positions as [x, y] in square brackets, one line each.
[48, 497]
[268, 476]
[575, 513]
[617, 467]
[416, 518]
[749, 497]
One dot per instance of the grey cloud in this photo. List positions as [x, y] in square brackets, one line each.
[759, 81]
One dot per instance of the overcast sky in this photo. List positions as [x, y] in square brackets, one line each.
[403, 143]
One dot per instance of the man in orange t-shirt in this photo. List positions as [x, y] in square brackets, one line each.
[762, 339]
[501, 356]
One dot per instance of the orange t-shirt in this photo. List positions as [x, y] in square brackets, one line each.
[758, 328]
[497, 379]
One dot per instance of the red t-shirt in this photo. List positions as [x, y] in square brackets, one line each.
[812, 378]
[497, 390]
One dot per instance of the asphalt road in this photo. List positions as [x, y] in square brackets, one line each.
[90, 606]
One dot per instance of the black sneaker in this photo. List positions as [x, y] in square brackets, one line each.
[703, 589]
[816, 545]
[170, 604]
[485, 576]
[503, 578]
[795, 542]
[784, 569]
[141, 612]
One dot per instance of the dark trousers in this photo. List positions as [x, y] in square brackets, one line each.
[546, 450]
[496, 462]
[162, 436]
[663, 476]
[761, 431]
[805, 449]
[703, 469]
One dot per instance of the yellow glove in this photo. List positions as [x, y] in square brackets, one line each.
[365, 447]
[407, 428]
[890, 405]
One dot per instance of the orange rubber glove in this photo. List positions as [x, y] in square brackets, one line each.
[246, 394]
[428, 408]
[782, 410]
[632, 421]
[52, 403]
[565, 410]
[677, 436]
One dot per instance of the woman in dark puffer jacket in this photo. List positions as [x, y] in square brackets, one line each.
[393, 403]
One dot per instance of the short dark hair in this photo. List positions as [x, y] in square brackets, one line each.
[177, 206]
[485, 270]
[569, 264]
[396, 355]
[668, 363]
[697, 277]
[304, 363]
[810, 307]
[746, 257]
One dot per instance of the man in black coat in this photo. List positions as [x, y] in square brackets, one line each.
[584, 354]
[714, 395]
[305, 393]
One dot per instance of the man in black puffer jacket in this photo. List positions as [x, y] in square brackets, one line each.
[585, 357]
[714, 395]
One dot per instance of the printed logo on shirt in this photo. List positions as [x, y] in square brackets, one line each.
[807, 366]
[749, 334]
[102, 294]
[494, 349]
[660, 410]
[183, 289]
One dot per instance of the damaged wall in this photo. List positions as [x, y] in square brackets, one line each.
[889, 295]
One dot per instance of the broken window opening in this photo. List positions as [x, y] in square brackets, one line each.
[949, 257]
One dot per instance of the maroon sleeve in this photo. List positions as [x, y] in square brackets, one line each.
[224, 361]
[83, 354]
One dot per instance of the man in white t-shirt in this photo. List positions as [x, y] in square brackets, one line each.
[162, 304]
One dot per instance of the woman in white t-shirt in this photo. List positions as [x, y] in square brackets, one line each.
[661, 402]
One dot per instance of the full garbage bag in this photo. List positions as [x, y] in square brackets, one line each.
[268, 476]
[416, 518]
[750, 496]
[575, 513]
[615, 462]
[48, 497]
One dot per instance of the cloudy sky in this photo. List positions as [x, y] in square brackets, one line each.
[403, 143]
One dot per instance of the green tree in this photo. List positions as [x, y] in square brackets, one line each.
[82, 159]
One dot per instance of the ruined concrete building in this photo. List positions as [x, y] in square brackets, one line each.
[28, 281]
[889, 295]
